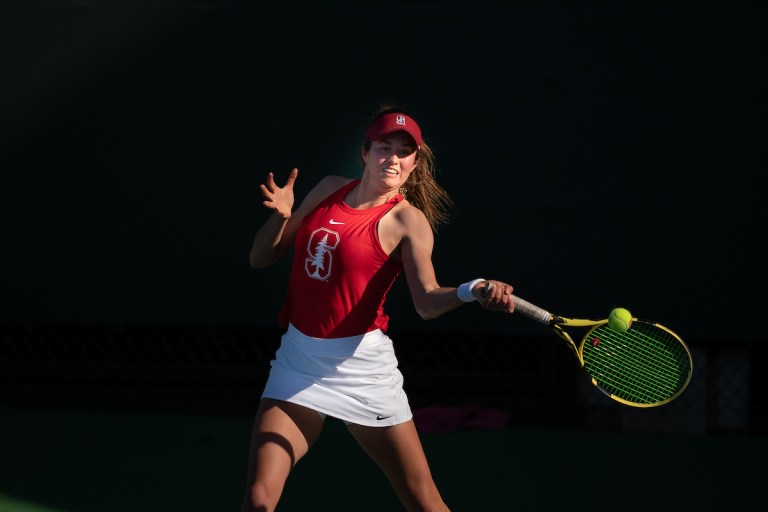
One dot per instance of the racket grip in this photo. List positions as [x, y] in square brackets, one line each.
[532, 311]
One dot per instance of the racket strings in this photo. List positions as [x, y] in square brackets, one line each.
[646, 377]
[649, 359]
[644, 365]
[641, 375]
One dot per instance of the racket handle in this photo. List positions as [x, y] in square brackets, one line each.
[532, 311]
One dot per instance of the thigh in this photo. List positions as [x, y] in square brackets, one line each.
[399, 453]
[282, 434]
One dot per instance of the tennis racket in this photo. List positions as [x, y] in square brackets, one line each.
[646, 366]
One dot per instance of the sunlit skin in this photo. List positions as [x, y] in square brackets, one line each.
[388, 164]
[284, 432]
[404, 232]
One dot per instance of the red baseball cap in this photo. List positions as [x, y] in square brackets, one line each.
[391, 123]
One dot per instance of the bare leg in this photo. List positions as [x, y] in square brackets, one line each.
[398, 452]
[282, 434]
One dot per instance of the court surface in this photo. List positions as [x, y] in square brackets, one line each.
[83, 461]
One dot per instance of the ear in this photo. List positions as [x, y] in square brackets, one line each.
[364, 154]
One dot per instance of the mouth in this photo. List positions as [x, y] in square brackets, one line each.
[391, 172]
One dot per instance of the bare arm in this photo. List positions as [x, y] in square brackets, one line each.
[429, 298]
[271, 242]
[278, 232]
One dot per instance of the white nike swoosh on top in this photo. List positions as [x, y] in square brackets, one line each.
[334, 222]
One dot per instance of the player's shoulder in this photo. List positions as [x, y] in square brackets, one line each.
[327, 185]
[322, 189]
[410, 215]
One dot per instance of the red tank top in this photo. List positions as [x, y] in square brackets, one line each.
[340, 274]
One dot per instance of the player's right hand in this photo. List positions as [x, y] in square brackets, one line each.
[279, 199]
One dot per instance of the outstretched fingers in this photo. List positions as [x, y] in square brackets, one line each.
[291, 178]
[279, 198]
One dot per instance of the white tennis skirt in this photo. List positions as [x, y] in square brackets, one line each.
[354, 379]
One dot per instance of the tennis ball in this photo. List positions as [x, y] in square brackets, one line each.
[620, 319]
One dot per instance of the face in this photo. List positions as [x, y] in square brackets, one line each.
[391, 159]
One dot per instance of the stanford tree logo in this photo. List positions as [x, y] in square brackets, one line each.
[320, 246]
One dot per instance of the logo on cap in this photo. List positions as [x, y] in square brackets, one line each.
[390, 123]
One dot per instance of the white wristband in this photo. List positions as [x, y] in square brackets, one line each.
[465, 290]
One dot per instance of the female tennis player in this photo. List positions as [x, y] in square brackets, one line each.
[351, 239]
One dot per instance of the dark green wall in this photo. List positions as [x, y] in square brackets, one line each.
[598, 157]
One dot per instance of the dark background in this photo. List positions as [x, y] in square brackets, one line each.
[599, 156]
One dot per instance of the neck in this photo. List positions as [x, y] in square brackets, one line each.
[361, 200]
